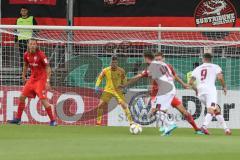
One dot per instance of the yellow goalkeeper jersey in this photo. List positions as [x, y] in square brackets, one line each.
[114, 78]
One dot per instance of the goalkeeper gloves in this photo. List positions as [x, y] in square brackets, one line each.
[97, 90]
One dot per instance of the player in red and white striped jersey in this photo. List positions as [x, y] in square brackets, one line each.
[176, 102]
[161, 77]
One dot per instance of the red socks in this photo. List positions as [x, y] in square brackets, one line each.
[50, 113]
[21, 107]
[190, 120]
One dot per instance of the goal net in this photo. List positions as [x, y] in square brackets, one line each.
[78, 54]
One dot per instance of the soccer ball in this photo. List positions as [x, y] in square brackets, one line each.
[135, 128]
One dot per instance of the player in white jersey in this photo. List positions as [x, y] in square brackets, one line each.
[162, 97]
[205, 76]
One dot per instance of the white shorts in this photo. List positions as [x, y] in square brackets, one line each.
[209, 100]
[163, 102]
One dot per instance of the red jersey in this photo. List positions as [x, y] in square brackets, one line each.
[37, 62]
[154, 85]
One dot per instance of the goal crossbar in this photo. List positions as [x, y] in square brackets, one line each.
[106, 28]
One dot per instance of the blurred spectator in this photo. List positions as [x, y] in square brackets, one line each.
[24, 35]
[189, 74]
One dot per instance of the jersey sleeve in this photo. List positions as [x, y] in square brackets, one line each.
[100, 77]
[123, 77]
[25, 57]
[44, 58]
[218, 69]
[172, 70]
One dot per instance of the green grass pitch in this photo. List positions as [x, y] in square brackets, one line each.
[39, 142]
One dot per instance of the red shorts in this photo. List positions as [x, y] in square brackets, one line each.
[35, 87]
[176, 102]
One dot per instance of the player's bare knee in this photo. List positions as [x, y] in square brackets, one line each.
[45, 103]
[210, 110]
[22, 98]
[154, 111]
[124, 105]
[101, 104]
[218, 110]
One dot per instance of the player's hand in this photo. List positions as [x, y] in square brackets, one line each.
[186, 86]
[121, 86]
[196, 92]
[48, 86]
[24, 79]
[225, 90]
[97, 90]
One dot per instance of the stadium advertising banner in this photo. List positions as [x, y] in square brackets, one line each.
[229, 107]
[72, 106]
[46, 12]
[78, 107]
[183, 13]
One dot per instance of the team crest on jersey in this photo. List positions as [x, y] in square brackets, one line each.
[213, 13]
[45, 60]
[35, 58]
[140, 108]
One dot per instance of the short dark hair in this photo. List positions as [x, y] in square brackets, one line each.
[149, 55]
[159, 54]
[196, 64]
[207, 56]
[114, 58]
[24, 7]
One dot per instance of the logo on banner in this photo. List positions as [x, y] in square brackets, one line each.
[45, 2]
[215, 13]
[140, 108]
[119, 2]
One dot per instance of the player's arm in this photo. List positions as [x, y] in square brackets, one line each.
[132, 80]
[192, 84]
[179, 80]
[99, 80]
[49, 71]
[48, 68]
[24, 72]
[220, 77]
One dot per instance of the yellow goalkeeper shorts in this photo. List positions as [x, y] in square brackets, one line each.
[107, 96]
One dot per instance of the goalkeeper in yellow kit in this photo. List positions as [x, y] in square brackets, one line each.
[115, 76]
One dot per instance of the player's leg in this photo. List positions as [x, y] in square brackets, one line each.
[103, 103]
[221, 120]
[164, 103]
[21, 107]
[210, 112]
[176, 103]
[50, 111]
[121, 100]
[100, 107]
[155, 110]
[40, 90]
[26, 92]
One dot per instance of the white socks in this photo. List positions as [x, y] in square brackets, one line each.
[165, 119]
[208, 119]
[222, 121]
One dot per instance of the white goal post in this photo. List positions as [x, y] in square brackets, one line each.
[78, 53]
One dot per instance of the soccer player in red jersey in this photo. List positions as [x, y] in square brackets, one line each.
[38, 83]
